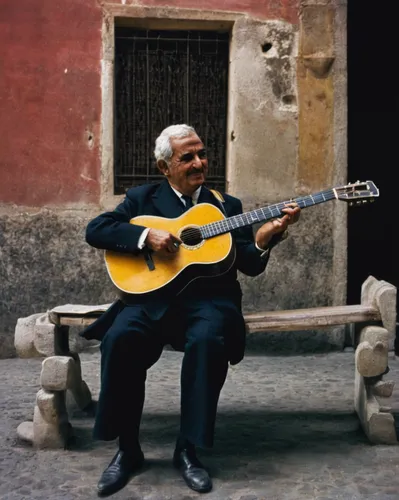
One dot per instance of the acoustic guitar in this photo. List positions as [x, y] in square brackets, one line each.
[207, 249]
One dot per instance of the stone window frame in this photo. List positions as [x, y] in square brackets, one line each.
[316, 63]
[150, 18]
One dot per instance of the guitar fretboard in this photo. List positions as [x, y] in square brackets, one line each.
[262, 214]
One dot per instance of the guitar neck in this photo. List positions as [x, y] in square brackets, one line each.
[263, 214]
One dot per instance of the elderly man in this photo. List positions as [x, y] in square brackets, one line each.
[204, 321]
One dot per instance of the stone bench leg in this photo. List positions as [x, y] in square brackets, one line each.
[371, 363]
[37, 336]
[50, 427]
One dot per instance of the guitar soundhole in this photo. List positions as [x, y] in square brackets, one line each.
[191, 236]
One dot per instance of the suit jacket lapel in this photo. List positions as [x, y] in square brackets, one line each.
[166, 201]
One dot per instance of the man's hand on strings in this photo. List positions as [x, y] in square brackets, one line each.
[159, 240]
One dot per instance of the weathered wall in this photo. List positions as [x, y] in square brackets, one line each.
[44, 262]
[286, 10]
[287, 137]
[50, 95]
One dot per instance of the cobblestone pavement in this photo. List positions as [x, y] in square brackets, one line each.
[286, 430]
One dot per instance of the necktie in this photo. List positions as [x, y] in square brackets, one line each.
[188, 200]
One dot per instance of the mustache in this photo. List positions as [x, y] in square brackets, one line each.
[194, 171]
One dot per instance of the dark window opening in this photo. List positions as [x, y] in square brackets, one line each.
[164, 78]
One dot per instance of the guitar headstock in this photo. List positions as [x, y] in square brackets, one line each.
[358, 192]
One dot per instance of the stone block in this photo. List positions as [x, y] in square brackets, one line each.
[25, 432]
[51, 428]
[44, 336]
[381, 428]
[51, 405]
[376, 420]
[24, 337]
[49, 435]
[58, 373]
[371, 354]
[371, 361]
[386, 300]
[383, 388]
[382, 295]
[373, 334]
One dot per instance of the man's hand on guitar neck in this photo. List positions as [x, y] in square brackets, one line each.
[276, 226]
[159, 240]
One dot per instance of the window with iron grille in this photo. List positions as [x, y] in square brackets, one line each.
[164, 78]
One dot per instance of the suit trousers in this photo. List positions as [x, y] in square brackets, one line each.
[134, 342]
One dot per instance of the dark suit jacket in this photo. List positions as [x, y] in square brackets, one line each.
[112, 231]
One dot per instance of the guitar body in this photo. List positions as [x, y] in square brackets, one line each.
[197, 257]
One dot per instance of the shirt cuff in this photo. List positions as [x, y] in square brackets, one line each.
[143, 236]
[276, 239]
[265, 252]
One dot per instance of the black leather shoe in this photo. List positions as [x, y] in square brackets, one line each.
[118, 472]
[192, 471]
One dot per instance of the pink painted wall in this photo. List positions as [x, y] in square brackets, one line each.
[50, 101]
[50, 94]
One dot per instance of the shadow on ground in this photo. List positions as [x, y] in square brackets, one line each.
[250, 433]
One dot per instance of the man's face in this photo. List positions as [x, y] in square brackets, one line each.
[188, 166]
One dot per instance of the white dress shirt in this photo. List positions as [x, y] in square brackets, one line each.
[143, 235]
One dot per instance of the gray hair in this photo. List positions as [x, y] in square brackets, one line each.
[163, 148]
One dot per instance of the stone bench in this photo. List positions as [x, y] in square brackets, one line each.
[372, 326]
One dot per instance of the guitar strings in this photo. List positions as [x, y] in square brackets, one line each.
[225, 223]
